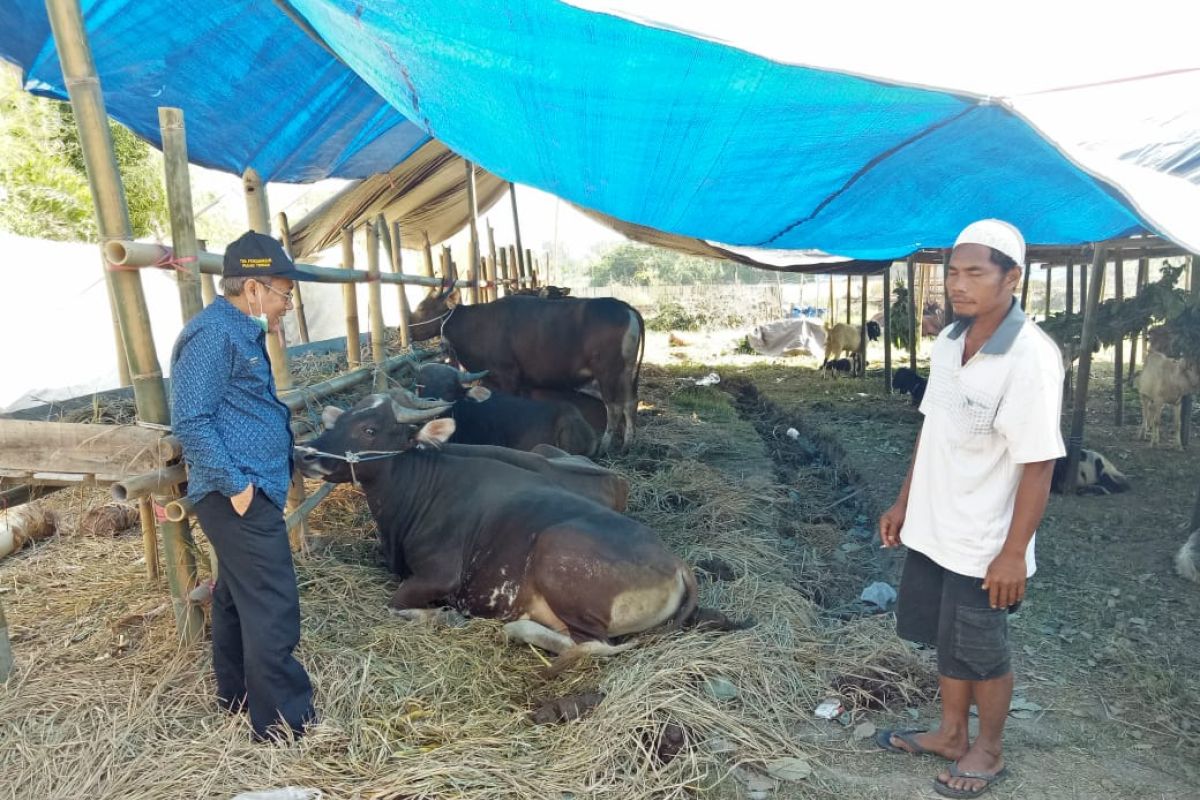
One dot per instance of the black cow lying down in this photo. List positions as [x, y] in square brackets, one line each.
[1097, 475]
[567, 573]
[482, 416]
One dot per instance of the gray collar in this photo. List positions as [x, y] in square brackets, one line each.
[1002, 340]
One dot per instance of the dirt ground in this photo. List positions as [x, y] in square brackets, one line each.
[1106, 646]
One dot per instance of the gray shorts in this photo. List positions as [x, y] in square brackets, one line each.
[949, 611]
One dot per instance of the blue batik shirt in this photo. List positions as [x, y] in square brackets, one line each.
[234, 429]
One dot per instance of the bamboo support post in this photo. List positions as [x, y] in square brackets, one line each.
[530, 269]
[6, 654]
[473, 225]
[514, 268]
[427, 262]
[149, 536]
[519, 262]
[375, 307]
[494, 277]
[1049, 280]
[112, 215]
[285, 236]
[118, 339]
[444, 263]
[1083, 281]
[1143, 274]
[887, 330]
[208, 284]
[1119, 350]
[1075, 441]
[297, 399]
[849, 301]
[913, 332]
[179, 204]
[502, 269]
[832, 318]
[179, 510]
[259, 214]
[299, 516]
[1070, 308]
[1185, 404]
[296, 498]
[26, 493]
[350, 300]
[862, 328]
[947, 306]
[158, 482]
[1024, 291]
[391, 242]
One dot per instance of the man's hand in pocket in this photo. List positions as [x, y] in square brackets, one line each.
[241, 500]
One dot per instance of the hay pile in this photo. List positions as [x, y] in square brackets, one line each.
[104, 703]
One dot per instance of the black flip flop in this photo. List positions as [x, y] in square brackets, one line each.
[990, 779]
[908, 736]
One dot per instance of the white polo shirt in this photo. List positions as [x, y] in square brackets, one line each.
[983, 421]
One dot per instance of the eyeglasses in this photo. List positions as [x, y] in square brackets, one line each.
[287, 296]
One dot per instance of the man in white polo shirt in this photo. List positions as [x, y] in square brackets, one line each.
[974, 495]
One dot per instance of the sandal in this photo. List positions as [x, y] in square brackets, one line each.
[908, 736]
[990, 779]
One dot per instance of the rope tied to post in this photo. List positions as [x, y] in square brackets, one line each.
[167, 260]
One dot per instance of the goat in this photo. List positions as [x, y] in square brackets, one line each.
[908, 381]
[1162, 383]
[1185, 559]
[837, 365]
[845, 338]
[1097, 475]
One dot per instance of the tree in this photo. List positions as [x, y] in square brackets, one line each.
[634, 264]
[44, 190]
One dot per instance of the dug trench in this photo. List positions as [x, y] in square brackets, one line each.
[829, 507]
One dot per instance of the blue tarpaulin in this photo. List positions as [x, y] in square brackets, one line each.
[651, 126]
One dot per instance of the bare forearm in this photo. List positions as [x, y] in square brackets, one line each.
[1033, 492]
[902, 498]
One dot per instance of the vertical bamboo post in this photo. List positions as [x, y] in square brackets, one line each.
[444, 264]
[149, 537]
[1071, 290]
[922, 297]
[493, 264]
[1075, 441]
[112, 217]
[179, 204]
[488, 271]
[531, 268]
[427, 261]
[285, 235]
[118, 339]
[1185, 407]
[913, 336]
[1083, 281]
[862, 327]
[1143, 273]
[350, 301]
[473, 224]
[887, 330]
[259, 213]
[504, 271]
[849, 300]
[1024, 287]
[6, 655]
[512, 194]
[1119, 350]
[947, 307]
[375, 307]
[1049, 286]
[392, 246]
[208, 284]
[832, 303]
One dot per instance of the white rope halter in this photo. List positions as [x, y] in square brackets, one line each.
[352, 457]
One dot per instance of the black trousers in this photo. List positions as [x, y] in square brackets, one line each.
[256, 616]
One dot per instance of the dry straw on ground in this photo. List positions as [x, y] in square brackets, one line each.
[105, 704]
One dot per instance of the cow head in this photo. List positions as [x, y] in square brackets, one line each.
[444, 382]
[427, 317]
[378, 427]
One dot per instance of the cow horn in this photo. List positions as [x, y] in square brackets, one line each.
[411, 416]
[470, 377]
[409, 400]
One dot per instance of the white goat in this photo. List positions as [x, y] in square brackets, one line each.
[1162, 383]
[1185, 559]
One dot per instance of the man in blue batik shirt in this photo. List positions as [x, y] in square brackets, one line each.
[238, 446]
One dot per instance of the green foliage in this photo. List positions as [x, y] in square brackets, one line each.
[45, 191]
[634, 264]
[899, 317]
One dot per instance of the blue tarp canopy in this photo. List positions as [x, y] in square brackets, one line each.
[651, 126]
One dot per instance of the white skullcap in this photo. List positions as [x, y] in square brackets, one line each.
[995, 233]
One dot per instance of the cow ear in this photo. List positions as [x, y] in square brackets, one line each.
[329, 416]
[436, 432]
[479, 393]
[453, 298]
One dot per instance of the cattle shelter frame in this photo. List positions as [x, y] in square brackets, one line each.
[143, 461]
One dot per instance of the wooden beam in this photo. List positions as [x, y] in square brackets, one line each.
[73, 447]
[1075, 440]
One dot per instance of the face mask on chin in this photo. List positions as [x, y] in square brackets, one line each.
[261, 319]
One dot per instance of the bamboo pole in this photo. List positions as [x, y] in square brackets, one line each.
[922, 296]
[1071, 291]
[1075, 441]
[531, 268]
[158, 481]
[832, 303]
[375, 307]
[473, 220]
[912, 316]
[887, 330]
[1143, 274]
[849, 301]
[149, 536]
[298, 399]
[862, 328]
[427, 263]
[392, 246]
[350, 300]
[112, 215]
[512, 194]
[118, 339]
[300, 515]
[285, 235]
[1049, 286]
[1024, 289]
[208, 284]
[179, 203]
[1083, 281]
[947, 306]
[494, 264]
[6, 654]
[1119, 350]
[25, 493]
[259, 213]
[1185, 404]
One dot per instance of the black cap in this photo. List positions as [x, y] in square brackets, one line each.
[256, 255]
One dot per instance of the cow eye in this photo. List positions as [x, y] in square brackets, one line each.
[369, 431]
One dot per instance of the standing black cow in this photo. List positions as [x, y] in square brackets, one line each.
[482, 416]
[567, 573]
[529, 342]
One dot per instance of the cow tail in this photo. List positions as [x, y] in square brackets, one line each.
[691, 598]
[637, 373]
